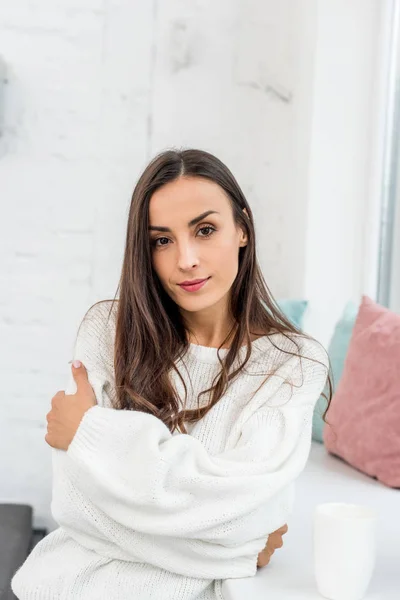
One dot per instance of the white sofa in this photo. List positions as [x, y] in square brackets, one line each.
[290, 573]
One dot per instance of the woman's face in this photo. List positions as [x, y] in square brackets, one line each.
[186, 247]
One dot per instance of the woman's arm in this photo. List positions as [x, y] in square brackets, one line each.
[148, 482]
[146, 478]
[187, 557]
[85, 522]
[131, 466]
[232, 553]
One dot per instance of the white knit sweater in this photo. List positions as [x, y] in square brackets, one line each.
[145, 514]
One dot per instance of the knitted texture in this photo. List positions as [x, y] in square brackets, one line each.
[147, 514]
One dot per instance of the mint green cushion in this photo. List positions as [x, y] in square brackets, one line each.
[337, 351]
[294, 310]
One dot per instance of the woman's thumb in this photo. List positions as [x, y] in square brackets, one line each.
[79, 372]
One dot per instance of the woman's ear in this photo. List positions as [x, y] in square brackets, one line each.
[243, 236]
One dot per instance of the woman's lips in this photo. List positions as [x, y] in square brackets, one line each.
[195, 286]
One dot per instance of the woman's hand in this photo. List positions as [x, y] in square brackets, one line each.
[67, 410]
[274, 541]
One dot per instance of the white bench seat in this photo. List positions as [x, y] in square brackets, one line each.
[290, 574]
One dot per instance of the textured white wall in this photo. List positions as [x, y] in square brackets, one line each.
[344, 158]
[94, 90]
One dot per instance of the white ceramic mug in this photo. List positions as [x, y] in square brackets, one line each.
[344, 549]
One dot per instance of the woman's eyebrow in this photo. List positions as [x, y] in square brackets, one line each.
[191, 223]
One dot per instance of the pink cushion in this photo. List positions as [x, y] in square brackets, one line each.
[364, 415]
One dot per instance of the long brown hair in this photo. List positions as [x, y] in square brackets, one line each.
[150, 334]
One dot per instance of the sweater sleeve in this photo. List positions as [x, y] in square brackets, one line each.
[146, 479]
[228, 549]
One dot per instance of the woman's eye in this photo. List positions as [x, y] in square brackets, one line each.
[154, 242]
[208, 228]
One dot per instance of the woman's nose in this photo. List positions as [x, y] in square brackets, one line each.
[187, 256]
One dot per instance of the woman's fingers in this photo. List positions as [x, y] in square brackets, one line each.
[282, 530]
[264, 557]
[274, 542]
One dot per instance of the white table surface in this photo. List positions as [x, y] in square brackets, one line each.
[290, 573]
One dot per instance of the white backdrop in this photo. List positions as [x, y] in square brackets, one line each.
[281, 91]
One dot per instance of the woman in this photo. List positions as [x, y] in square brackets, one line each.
[177, 442]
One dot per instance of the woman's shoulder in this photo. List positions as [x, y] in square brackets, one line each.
[102, 314]
[312, 349]
[303, 352]
[96, 333]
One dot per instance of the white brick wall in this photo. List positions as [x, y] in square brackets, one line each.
[94, 90]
